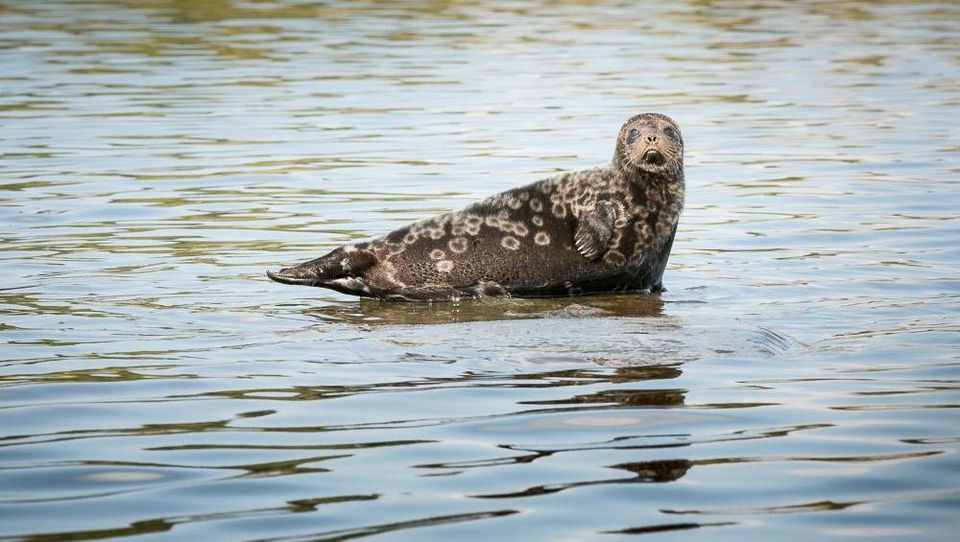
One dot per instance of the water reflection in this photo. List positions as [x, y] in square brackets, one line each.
[562, 378]
[630, 398]
[374, 312]
[642, 472]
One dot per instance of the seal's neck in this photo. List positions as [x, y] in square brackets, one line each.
[637, 176]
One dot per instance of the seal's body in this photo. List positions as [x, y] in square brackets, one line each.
[605, 229]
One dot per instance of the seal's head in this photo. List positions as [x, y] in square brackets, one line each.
[650, 143]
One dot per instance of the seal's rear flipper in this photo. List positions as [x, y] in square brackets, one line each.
[282, 278]
[342, 262]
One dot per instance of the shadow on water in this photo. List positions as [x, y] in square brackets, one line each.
[635, 330]
[373, 312]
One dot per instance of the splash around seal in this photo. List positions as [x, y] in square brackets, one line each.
[600, 230]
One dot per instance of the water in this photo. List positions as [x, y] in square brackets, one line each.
[800, 375]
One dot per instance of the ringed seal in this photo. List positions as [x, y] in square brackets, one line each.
[599, 230]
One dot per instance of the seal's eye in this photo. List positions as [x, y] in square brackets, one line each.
[671, 133]
[632, 135]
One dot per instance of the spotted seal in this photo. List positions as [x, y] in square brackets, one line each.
[605, 229]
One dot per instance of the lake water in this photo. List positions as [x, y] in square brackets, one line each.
[799, 379]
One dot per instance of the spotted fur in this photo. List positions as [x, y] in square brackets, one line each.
[604, 229]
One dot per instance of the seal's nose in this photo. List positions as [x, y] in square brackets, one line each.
[651, 138]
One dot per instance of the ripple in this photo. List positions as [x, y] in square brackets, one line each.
[799, 374]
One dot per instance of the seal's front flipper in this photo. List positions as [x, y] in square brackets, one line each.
[342, 262]
[595, 229]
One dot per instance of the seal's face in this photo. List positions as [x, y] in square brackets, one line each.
[650, 142]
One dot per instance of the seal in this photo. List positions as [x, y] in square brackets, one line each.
[600, 230]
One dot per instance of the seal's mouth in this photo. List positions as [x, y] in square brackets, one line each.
[653, 156]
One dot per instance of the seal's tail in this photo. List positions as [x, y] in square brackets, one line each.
[342, 262]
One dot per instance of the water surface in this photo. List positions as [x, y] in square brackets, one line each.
[799, 376]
